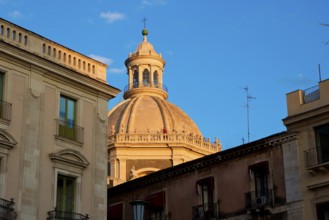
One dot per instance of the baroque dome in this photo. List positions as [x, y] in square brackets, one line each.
[150, 114]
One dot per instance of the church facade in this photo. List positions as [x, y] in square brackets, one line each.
[53, 129]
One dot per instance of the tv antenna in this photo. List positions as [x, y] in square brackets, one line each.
[247, 106]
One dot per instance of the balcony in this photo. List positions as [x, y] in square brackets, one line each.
[69, 131]
[137, 85]
[7, 211]
[60, 215]
[259, 199]
[205, 212]
[311, 94]
[317, 159]
[5, 111]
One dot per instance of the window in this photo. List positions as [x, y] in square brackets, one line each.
[260, 194]
[155, 206]
[322, 142]
[135, 79]
[67, 116]
[115, 212]
[206, 206]
[2, 76]
[146, 77]
[322, 211]
[156, 78]
[65, 193]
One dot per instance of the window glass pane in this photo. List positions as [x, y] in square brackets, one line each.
[70, 112]
[65, 193]
[62, 109]
[322, 142]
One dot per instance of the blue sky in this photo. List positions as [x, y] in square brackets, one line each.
[213, 49]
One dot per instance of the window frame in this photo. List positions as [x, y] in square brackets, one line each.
[77, 188]
[322, 148]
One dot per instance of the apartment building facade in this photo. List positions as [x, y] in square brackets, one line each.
[53, 125]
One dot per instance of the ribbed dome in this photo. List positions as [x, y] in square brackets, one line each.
[151, 114]
[145, 48]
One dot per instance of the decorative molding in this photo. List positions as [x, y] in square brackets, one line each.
[71, 158]
[6, 140]
[35, 93]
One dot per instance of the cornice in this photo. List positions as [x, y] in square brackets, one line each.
[59, 72]
[204, 162]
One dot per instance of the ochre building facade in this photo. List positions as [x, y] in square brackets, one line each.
[53, 129]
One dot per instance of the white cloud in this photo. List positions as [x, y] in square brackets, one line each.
[15, 14]
[106, 60]
[154, 2]
[111, 17]
[117, 70]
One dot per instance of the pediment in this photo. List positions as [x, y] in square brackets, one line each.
[71, 158]
[6, 140]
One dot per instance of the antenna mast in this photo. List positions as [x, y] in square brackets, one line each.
[246, 89]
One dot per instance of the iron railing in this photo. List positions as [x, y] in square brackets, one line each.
[316, 156]
[7, 211]
[60, 215]
[69, 131]
[5, 110]
[311, 94]
[207, 211]
[136, 85]
[260, 198]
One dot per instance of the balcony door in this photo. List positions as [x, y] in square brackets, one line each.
[322, 143]
[65, 193]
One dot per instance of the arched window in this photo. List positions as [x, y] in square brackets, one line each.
[8, 32]
[19, 37]
[135, 79]
[13, 35]
[54, 52]
[1, 29]
[25, 40]
[156, 78]
[146, 77]
[44, 48]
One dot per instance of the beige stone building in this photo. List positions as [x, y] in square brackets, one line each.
[147, 133]
[308, 116]
[53, 129]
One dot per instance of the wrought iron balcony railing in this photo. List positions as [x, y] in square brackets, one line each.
[206, 211]
[260, 198]
[311, 94]
[7, 211]
[316, 156]
[137, 85]
[69, 131]
[60, 215]
[5, 111]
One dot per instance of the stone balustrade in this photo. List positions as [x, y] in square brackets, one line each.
[188, 139]
[47, 49]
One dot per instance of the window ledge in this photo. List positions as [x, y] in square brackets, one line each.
[319, 168]
[66, 140]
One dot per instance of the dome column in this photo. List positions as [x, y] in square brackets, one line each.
[140, 76]
[131, 78]
[151, 76]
